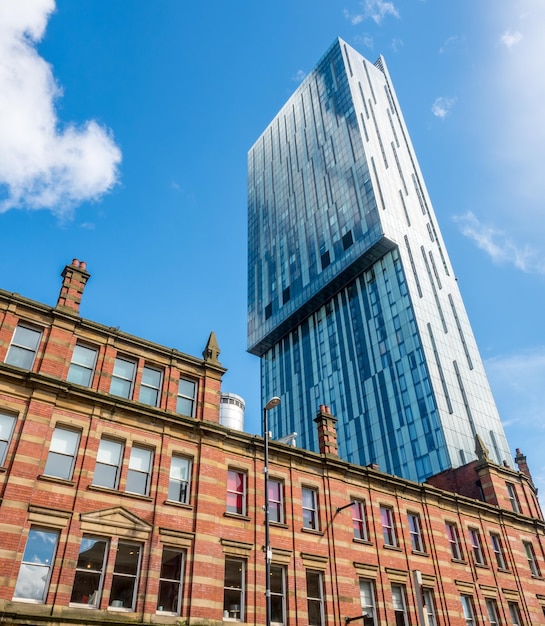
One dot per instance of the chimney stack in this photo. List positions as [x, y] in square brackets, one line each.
[520, 460]
[75, 277]
[327, 432]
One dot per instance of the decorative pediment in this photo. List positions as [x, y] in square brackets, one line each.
[115, 521]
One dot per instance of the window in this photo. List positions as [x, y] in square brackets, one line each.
[512, 493]
[150, 387]
[531, 556]
[492, 610]
[62, 453]
[475, 540]
[125, 576]
[185, 404]
[367, 597]
[108, 464]
[170, 581]
[178, 484]
[123, 378]
[315, 598]
[387, 521]
[24, 345]
[276, 501]
[469, 613]
[358, 520]
[310, 508]
[454, 541]
[89, 577]
[400, 608]
[415, 529]
[7, 423]
[233, 590]
[33, 580]
[138, 476]
[236, 492]
[278, 594]
[82, 366]
[429, 606]
[497, 548]
[514, 613]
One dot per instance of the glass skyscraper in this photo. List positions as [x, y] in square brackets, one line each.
[352, 300]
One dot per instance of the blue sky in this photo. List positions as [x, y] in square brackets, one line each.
[124, 129]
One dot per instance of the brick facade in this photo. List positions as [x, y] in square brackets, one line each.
[413, 555]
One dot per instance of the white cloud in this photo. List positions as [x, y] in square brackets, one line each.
[442, 106]
[396, 44]
[510, 38]
[299, 76]
[508, 116]
[449, 44]
[44, 164]
[375, 10]
[499, 247]
[365, 40]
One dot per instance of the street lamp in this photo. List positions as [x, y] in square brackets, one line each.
[275, 401]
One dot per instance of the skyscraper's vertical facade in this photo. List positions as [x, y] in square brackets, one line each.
[352, 301]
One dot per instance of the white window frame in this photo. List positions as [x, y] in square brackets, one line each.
[359, 521]
[140, 467]
[531, 556]
[64, 446]
[84, 567]
[513, 497]
[310, 508]
[149, 387]
[514, 613]
[415, 531]
[476, 545]
[180, 479]
[235, 612]
[429, 606]
[388, 528]
[468, 609]
[183, 398]
[172, 583]
[278, 595]
[18, 348]
[492, 610]
[236, 510]
[276, 504]
[31, 564]
[367, 599]
[399, 604]
[497, 548]
[104, 460]
[7, 427]
[316, 600]
[454, 541]
[123, 576]
[81, 367]
[124, 379]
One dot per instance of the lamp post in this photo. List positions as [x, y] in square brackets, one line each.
[275, 401]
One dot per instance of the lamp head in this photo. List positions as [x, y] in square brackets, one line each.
[275, 401]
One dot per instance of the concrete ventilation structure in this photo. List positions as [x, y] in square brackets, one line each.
[124, 500]
[352, 299]
[232, 411]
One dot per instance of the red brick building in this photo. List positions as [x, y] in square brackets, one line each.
[124, 500]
